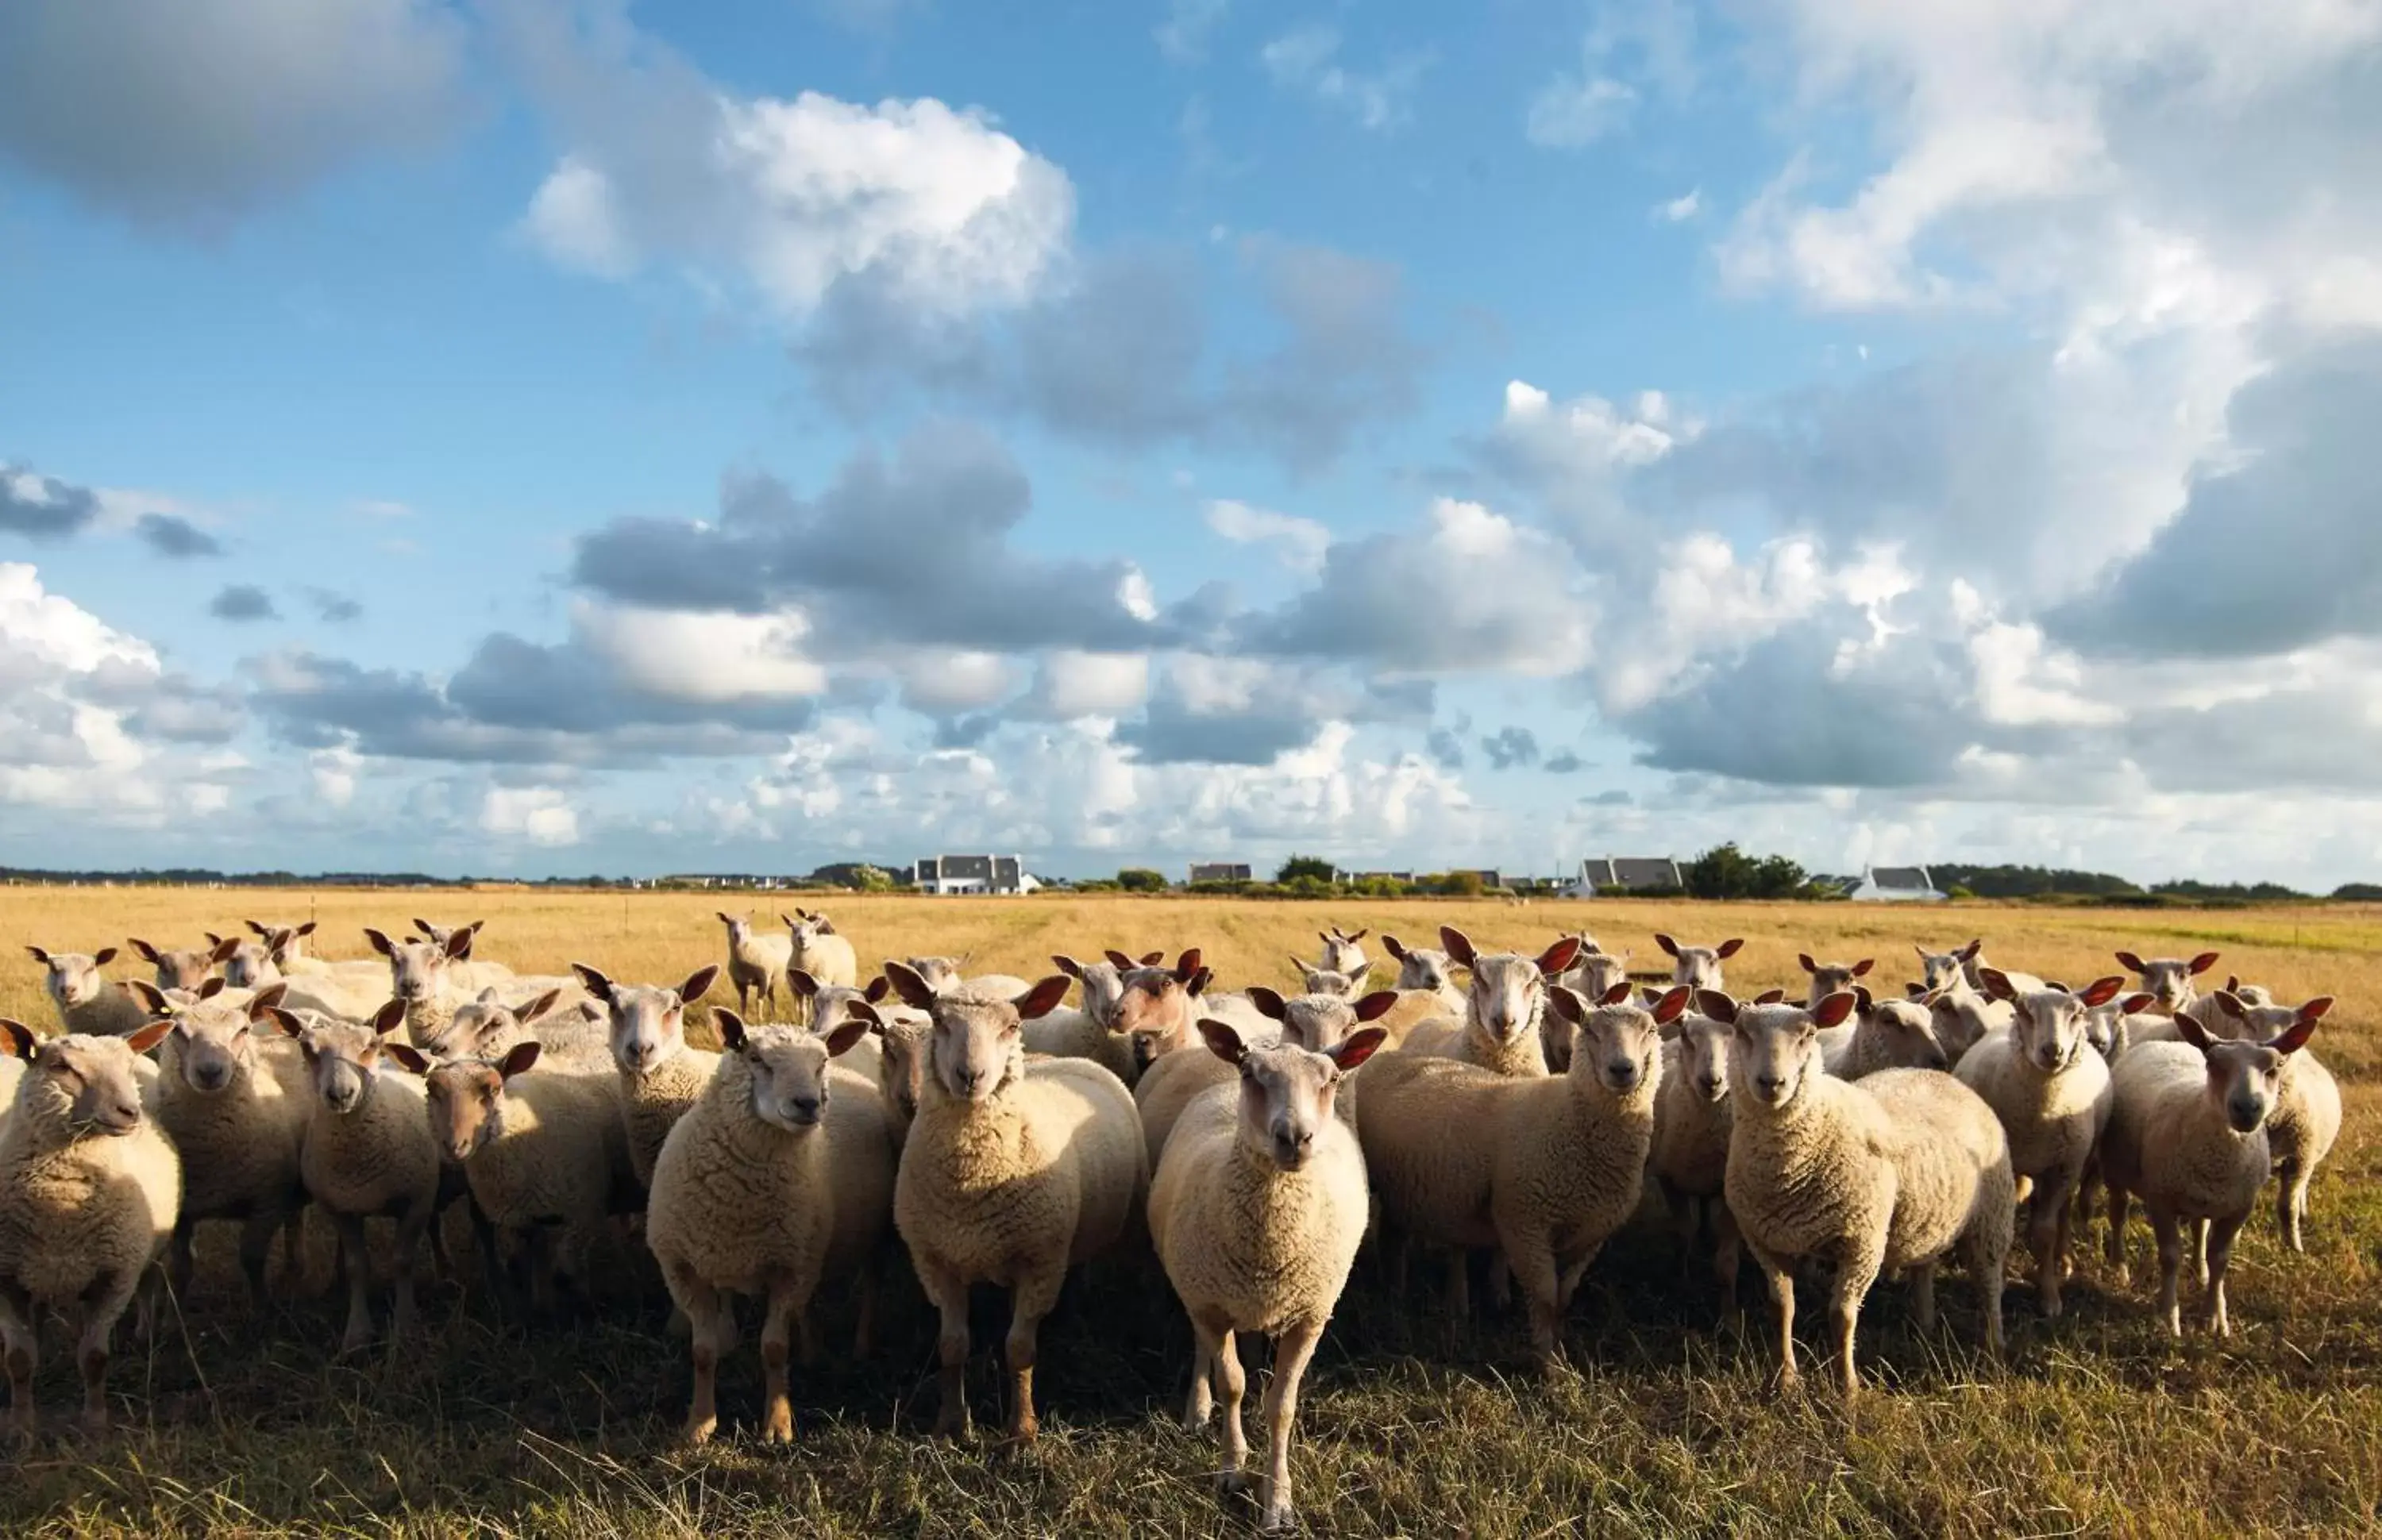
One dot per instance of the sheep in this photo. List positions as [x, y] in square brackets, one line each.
[1256, 1211]
[1937, 968]
[1009, 1176]
[439, 935]
[287, 939]
[757, 964]
[183, 970]
[1544, 1170]
[431, 978]
[368, 1155]
[236, 1103]
[2053, 1095]
[1884, 1035]
[1498, 1031]
[942, 973]
[1888, 1174]
[86, 1002]
[1158, 1009]
[1592, 976]
[1965, 1015]
[1066, 1033]
[1103, 982]
[1342, 955]
[575, 1037]
[661, 1076]
[2306, 1115]
[903, 1046]
[2188, 1136]
[816, 949]
[1688, 1157]
[1827, 978]
[826, 1006]
[1422, 970]
[2168, 978]
[89, 1191]
[1323, 980]
[1311, 1022]
[544, 1154]
[780, 1176]
[1699, 967]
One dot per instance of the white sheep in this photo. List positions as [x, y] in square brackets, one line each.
[1424, 971]
[1965, 1015]
[1827, 978]
[2052, 1094]
[1341, 953]
[661, 1076]
[1884, 1035]
[573, 1037]
[781, 1177]
[1256, 1210]
[2305, 1121]
[236, 1103]
[88, 1193]
[1688, 1157]
[1937, 969]
[1009, 1176]
[1593, 975]
[1889, 1174]
[368, 1155]
[2168, 978]
[1544, 1170]
[1503, 1006]
[757, 964]
[816, 949]
[431, 978]
[85, 1001]
[1699, 967]
[1103, 982]
[1315, 1023]
[1158, 1009]
[2188, 1136]
[440, 935]
[183, 969]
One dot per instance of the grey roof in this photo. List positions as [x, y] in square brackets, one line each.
[1911, 879]
[1220, 870]
[1631, 872]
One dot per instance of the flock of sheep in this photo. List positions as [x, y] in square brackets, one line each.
[1512, 1106]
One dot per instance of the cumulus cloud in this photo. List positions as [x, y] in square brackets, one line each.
[1298, 543]
[173, 536]
[540, 814]
[42, 506]
[191, 115]
[1307, 60]
[243, 601]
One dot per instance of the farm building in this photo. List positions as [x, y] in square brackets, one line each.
[1625, 874]
[949, 874]
[1895, 884]
[1405, 878]
[1220, 870]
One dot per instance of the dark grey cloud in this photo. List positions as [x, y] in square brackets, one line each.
[2279, 549]
[191, 115]
[512, 683]
[1511, 746]
[337, 608]
[913, 549]
[243, 602]
[1565, 763]
[48, 509]
[1121, 359]
[172, 536]
[1445, 749]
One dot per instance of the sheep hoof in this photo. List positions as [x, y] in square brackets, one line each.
[1232, 1485]
[1278, 1518]
[781, 1426]
[698, 1431]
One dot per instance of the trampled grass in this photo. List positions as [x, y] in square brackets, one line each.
[2098, 1425]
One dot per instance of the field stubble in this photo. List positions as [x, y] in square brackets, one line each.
[2100, 1425]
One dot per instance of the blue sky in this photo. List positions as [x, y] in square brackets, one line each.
[562, 435]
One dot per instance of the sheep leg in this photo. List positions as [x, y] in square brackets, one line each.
[777, 1426]
[293, 1250]
[2170, 1255]
[2114, 1250]
[1202, 1399]
[947, 1292]
[1501, 1279]
[1459, 1290]
[1923, 1297]
[1782, 1290]
[357, 1263]
[1984, 1249]
[23, 1345]
[405, 1319]
[2290, 1205]
[255, 1250]
[2199, 1228]
[1533, 1261]
[1035, 1297]
[1232, 1383]
[2046, 1236]
[2220, 1257]
[701, 1302]
[743, 997]
[1727, 1248]
[1291, 1351]
[91, 1354]
[178, 1262]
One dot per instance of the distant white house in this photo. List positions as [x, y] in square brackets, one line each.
[954, 874]
[1895, 884]
[1625, 875]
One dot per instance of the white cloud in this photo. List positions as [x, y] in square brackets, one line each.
[541, 814]
[1091, 684]
[1135, 596]
[1306, 60]
[951, 681]
[1299, 543]
[691, 656]
[1654, 42]
[574, 220]
[1572, 112]
[334, 775]
[1183, 36]
[1679, 210]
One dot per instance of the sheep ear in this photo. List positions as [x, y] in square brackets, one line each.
[1362, 934]
[146, 1038]
[1805, 958]
[1357, 1047]
[1915, 990]
[38, 954]
[388, 1017]
[308, 928]
[488, 997]
[264, 931]
[380, 943]
[288, 1023]
[424, 927]
[2231, 1004]
[1560, 955]
[1457, 944]
[521, 1058]
[1043, 998]
[1771, 998]
[265, 999]
[2134, 1005]
[1185, 965]
[210, 988]
[150, 996]
[1300, 966]
[1222, 1041]
[909, 985]
[2202, 963]
[1198, 982]
[2292, 1039]
[1373, 1007]
[1835, 1009]
[1567, 1004]
[2233, 983]
[1861, 968]
[721, 915]
[597, 984]
[730, 1027]
[697, 983]
[1068, 966]
[1997, 983]
[409, 1056]
[878, 987]
[1729, 948]
[1920, 950]
[1153, 960]
[102, 957]
[1864, 1003]
[1268, 1001]
[1121, 962]
[19, 1038]
[143, 948]
[1716, 1004]
[2129, 961]
[224, 948]
[1616, 996]
[1667, 943]
[863, 1011]
[459, 945]
[2103, 991]
[849, 1031]
[1672, 1005]
[1396, 947]
[1968, 953]
[538, 1007]
[2188, 1027]
[2316, 1009]
[827, 926]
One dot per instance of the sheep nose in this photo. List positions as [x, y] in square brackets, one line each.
[1709, 1085]
[969, 1080]
[803, 1109]
[210, 1076]
[1770, 1086]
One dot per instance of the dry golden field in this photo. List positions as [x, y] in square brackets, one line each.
[2098, 1425]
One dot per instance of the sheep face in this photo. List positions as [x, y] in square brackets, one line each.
[2168, 978]
[1319, 981]
[250, 965]
[440, 935]
[2049, 1027]
[976, 1048]
[1321, 1022]
[72, 978]
[466, 1098]
[1620, 1044]
[1102, 983]
[1776, 1046]
[1159, 1007]
[1827, 978]
[216, 1045]
[86, 1081]
[286, 941]
[417, 970]
[2260, 1023]
[1939, 969]
[788, 1066]
[832, 1004]
[343, 1060]
[740, 928]
[1508, 990]
[941, 973]
[1595, 974]
[1288, 1092]
[1962, 1017]
[1341, 952]
[1699, 968]
[2243, 1074]
[901, 1063]
[1910, 1031]
[181, 969]
[806, 924]
[1418, 967]
[1704, 1055]
[648, 1023]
